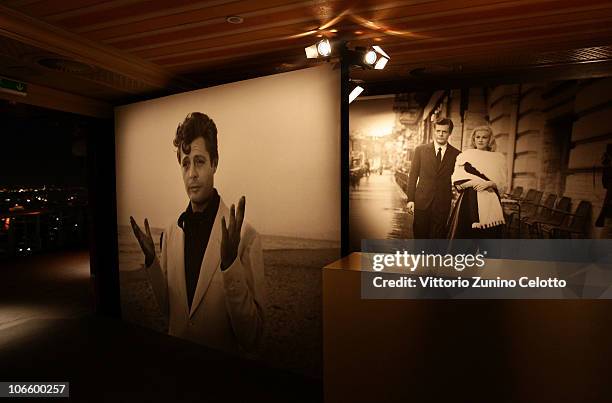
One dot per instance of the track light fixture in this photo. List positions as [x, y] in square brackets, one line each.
[355, 93]
[322, 48]
[356, 89]
[383, 58]
[374, 57]
[370, 57]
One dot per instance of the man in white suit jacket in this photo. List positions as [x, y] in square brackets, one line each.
[209, 279]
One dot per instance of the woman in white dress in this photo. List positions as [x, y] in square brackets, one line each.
[480, 176]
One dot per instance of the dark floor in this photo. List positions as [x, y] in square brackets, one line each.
[52, 286]
[48, 333]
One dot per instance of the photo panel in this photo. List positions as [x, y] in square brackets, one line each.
[548, 152]
[278, 146]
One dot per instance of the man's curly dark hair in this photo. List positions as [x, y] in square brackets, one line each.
[195, 125]
[445, 122]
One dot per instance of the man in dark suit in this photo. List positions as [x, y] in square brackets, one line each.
[430, 199]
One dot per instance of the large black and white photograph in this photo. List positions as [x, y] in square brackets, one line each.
[216, 244]
[527, 160]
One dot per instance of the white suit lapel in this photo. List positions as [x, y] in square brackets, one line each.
[179, 263]
[211, 261]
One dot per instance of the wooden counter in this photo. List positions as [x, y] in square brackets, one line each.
[460, 350]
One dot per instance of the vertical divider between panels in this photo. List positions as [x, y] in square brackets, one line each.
[103, 239]
[344, 156]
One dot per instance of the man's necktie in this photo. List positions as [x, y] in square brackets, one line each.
[439, 156]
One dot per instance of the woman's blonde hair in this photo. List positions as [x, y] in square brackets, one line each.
[492, 146]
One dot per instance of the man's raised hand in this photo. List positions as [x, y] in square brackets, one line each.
[230, 235]
[145, 241]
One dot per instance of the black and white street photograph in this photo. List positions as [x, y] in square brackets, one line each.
[507, 161]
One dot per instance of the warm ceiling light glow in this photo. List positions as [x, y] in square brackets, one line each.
[333, 30]
[370, 57]
[358, 32]
[355, 93]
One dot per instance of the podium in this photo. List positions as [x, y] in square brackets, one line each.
[460, 350]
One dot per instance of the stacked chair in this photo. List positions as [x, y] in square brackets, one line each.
[510, 203]
[575, 225]
[515, 194]
[550, 219]
[543, 214]
[556, 217]
[517, 211]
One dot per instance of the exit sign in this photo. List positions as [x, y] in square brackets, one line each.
[13, 87]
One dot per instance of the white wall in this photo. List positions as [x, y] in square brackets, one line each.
[278, 145]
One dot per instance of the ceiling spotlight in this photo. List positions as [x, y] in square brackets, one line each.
[234, 19]
[383, 58]
[320, 49]
[324, 48]
[376, 57]
[381, 63]
[370, 57]
[355, 93]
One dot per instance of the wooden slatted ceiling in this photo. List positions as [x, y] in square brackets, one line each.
[463, 38]
[192, 38]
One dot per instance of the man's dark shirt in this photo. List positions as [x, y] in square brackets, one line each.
[197, 227]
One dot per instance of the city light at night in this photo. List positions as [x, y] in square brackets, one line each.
[35, 219]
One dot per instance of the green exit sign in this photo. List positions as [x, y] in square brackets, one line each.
[13, 87]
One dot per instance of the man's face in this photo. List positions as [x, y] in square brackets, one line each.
[441, 135]
[198, 173]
